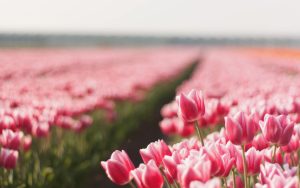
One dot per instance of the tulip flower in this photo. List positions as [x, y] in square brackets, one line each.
[193, 171]
[221, 162]
[213, 183]
[148, 176]
[7, 122]
[272, 175]
[259, 142]
[118, 167]
[270, 156]
[190, 107]
[169, 110]
[10, 139]
[42, 129]
[241, 128]
[155, 151]
[292, 146]
[253, 161]
[176, 126]
[277, 130]
[26, 142]
[8, 158]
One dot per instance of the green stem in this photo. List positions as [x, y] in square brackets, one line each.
[298, 164]
[199, 132]
[11, 177]
[245, 167]
[165, 178]
[225, 182]
[274, 154]
[233, 178]
[132, 184]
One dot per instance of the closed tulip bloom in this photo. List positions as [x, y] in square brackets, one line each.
[26, 143]
[86, 121]
[273, 176]
[170, 162]
[155, 151]
[241, 128]
[195, 171]
[238, 181]
[190, 107]
[7, 122]
[148, 176]
[268, 155]
[213, 183]
[277, 130]
[221, 160]
[169, 110]
[8, 158]
[259, 142]
[42, 129]
[292, 146]
[167, 126]
[253, 161]
[118, 167]
[10, 139]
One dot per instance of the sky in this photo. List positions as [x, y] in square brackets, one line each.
[231, 18]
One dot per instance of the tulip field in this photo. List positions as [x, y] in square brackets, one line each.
[197, 117]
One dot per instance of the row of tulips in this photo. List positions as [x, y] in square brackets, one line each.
[43, 88]
[246, 153]
[245, 122]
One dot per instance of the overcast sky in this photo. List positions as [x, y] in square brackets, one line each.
[271, 18]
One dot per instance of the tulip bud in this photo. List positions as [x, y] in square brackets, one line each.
[277, 130]
[253, 160]
[148, 176]
[155, 151]
[42, 130]
[26, 144]
[213, 183]
[8, 158]
[240, 129]
[191, 107]
[118, 167]
[10, 139]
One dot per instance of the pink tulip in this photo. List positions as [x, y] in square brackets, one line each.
[26, 143]
[176, 126]
[238, 181]
[118, 167]
[291, 159]
[170, 162]
[190, 107]
[85, 121]
[213, 183]
[42, 130]
[253, 160]
[277, 130]
[8, 158]
[221, 160]
[169, 110]
[155, 151]
[7, 122]
[168, 126]
[259, 142]
[188, 144]
[148, 176]
[268, 155]
[10, 139]
[272, 175]
[292, 146]
[240, 129]
[198, 170]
